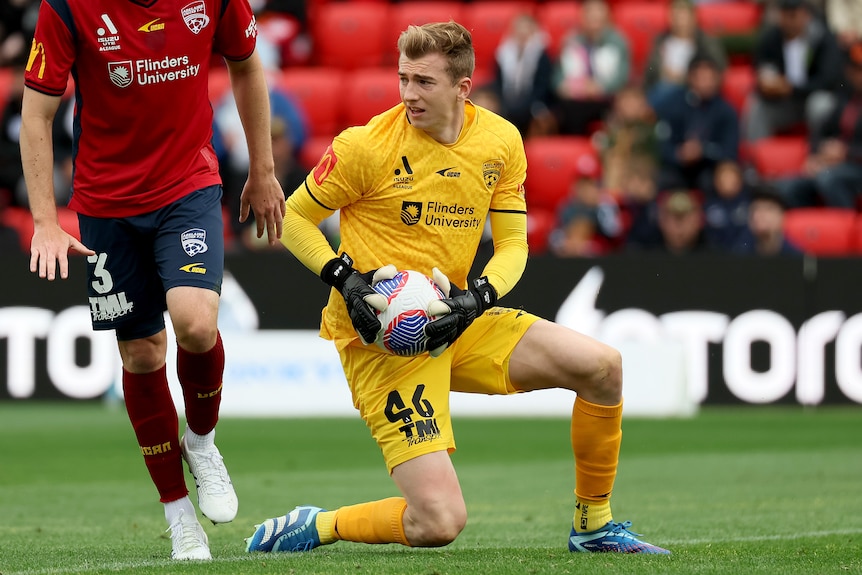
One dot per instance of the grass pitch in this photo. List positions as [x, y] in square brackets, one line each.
[731, 491]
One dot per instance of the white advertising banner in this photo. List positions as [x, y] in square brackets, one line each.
[279, 373]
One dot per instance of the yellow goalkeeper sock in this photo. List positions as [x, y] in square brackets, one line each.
[325, 523]
[596, 438]
[373, 522]
[591, 516]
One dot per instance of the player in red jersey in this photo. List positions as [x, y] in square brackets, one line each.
[148, 195]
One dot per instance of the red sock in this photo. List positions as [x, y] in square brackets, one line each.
[200, 376]
[154, 419]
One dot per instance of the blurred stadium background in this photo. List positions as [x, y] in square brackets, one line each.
[719, 327]
[743, 372]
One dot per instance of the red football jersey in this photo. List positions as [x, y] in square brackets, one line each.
[143, 121]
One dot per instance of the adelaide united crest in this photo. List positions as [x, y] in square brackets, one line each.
[491, 171]
[195, 16]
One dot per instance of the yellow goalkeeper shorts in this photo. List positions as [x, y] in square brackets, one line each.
[404, 401]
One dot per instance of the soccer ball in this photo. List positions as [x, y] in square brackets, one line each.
[403, 323]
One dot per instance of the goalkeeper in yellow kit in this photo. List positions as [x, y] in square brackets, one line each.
[414, 187]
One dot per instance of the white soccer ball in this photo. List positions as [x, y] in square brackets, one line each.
[403, 323]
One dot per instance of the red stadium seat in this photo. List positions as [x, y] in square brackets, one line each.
[640, 23]
[351, 34]
[489, 21]
[312, 150]
[423, 11]
[856, 235]
[402, 15]
[540, 224]
[736, 18]
[20, 220]
[318, 91]
[552, 164]
[821, 231]
[558, 18]
[614, 3]
[6, 82]
[778, 156]
[369, 92]
[737, 85]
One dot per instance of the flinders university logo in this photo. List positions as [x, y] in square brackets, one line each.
[120, 73]
[411, 212]
[194, 241]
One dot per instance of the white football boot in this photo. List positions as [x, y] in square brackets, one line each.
[216, 496]
[188, 539]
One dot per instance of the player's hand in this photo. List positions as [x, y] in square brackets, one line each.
[49, 249]
[356, 290]
[265, 198]
[458, 310]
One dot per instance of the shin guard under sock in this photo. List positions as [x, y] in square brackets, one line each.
[373, 522]
[596, 437]
[200, 376]
[154, 418]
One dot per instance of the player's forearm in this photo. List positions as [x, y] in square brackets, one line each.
[507, 265]
[302, 236]
[37, 160]
[252, 102]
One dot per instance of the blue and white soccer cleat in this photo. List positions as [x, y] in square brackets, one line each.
[295, 531]
[612, 538]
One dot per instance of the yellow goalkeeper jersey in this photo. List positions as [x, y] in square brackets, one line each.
[411, 201]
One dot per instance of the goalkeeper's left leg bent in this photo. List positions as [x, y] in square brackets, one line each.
[552, 356]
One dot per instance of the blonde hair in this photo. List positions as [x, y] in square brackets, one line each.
[450, 39]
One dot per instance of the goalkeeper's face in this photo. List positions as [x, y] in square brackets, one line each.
[434, 104]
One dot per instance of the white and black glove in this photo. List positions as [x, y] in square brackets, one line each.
[356, 289]
[457, 311]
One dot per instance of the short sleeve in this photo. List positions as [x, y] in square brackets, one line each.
[237, 31]
[52, 51]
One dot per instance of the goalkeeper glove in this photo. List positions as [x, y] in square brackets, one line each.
[356, 289]
[458, 310]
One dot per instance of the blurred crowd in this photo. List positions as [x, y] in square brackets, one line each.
[675, 161]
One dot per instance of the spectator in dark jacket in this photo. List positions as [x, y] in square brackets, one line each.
[798, 65]
[673, 50]
[833, 169]
[765, 233]
[697, 128]
[726, 207]
[522, 79]
[680, 224]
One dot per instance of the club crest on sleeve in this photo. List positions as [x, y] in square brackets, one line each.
[491, 171]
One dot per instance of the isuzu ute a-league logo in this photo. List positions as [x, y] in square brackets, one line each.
[120, 73]
[194, 241]
[195, 16]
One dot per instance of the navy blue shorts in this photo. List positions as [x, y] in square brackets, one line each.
[139, 258]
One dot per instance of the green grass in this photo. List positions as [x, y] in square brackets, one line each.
[731, 491]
